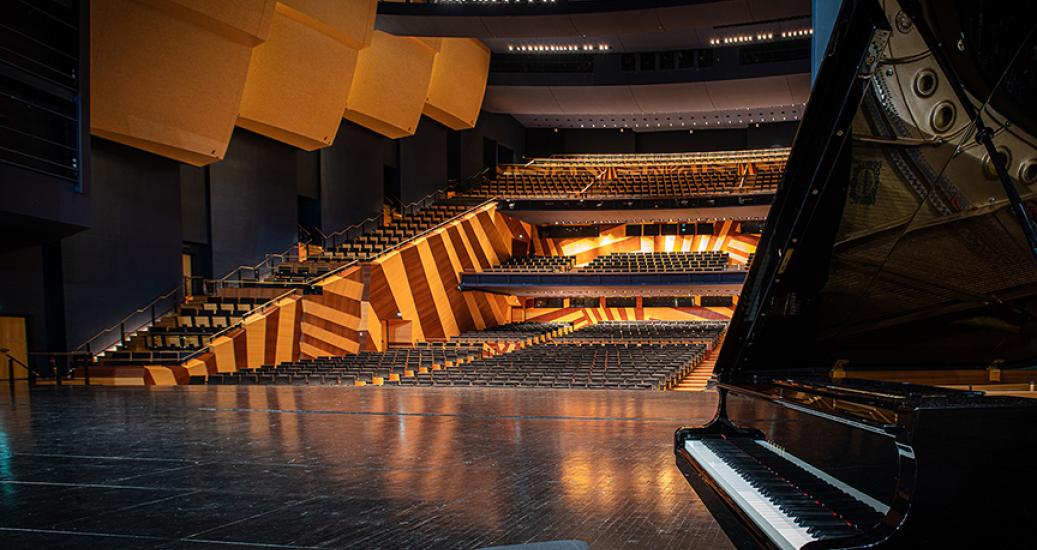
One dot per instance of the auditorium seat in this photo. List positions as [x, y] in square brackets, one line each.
[650, 355]
[677, 175]
[650, 262]
[536, 264]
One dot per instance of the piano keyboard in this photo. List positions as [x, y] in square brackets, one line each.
[788, 503]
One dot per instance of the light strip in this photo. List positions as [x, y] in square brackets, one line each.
[759, 37]
[557, 48]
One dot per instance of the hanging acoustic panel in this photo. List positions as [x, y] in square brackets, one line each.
[458, 83]
[299, 79]
[167, 76]
[391, 84]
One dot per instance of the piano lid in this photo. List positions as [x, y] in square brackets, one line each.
[892, 241]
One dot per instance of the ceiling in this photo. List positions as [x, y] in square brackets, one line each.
[653, 28]
[658, 107]
[726, 101]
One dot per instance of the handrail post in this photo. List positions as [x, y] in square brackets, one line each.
[152, 313]
[86, 371]
[57, 371]
[10, 370]
[122, 333]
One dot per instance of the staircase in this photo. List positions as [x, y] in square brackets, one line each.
[697, 379]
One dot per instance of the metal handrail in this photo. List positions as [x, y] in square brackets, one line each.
[426, 232]
[345, 231]
[331, 240]
[322, 276]
[121, 325]
[267, 261]
[214, 285]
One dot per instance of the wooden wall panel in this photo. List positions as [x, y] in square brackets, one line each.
[392, 79]
[613, 239]
[330, 322]
[458, 83]
[14, 338]
[351, 22]
[420, 281]
[581, 317]
[167, 76]
[299, 79]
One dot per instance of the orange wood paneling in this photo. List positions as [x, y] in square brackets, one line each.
[392, 79]
[167, 76]
[458, 83]
[351, 22]
[299, 79]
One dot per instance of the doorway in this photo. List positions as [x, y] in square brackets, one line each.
[14, 339]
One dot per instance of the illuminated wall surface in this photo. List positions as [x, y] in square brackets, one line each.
[613, 239]
[173, 77]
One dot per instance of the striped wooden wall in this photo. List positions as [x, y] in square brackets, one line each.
[420, 281]
[614, 239]
[583, 316]
[330, 322]
[296, 327]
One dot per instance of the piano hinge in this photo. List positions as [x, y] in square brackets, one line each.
[874, 54]
[839, 369]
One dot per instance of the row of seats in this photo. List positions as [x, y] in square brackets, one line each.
[367, 366]
[652, 262]
[648, 175]
[599, 366]
[648, 331]
[611, 355]
[656, 159]
[534, 185]
[536, 264]
[516, 332]
[402, 228]
[717, 181]
[298, 272]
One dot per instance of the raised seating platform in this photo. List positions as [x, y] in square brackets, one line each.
[652, 355]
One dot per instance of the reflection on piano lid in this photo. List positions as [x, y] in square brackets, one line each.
[896, 275]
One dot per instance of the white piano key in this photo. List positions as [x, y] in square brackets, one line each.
[777, 525]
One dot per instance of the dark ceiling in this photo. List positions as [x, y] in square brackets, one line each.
[721, 87]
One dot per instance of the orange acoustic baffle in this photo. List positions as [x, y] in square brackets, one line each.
[299, 79]
[391, 83]
[167, 76]
[458, 83]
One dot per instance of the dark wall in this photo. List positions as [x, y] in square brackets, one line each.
[253, 197]
[779, 134]
[194, 204]
[131, 253]
[601, 142]
[22, 291]
[351, 177]
[503, 129]
[423, 161]
[685, 141]
[542, 142]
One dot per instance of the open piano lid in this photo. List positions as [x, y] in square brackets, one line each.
[896, 251]
[892, 243]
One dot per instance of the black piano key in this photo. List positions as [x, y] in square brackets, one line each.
[823, 510]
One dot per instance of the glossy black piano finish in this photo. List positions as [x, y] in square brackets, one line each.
[894, 244]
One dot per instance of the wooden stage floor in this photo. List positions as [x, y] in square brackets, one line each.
[300, 467]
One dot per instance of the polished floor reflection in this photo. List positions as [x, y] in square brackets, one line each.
[293, 467]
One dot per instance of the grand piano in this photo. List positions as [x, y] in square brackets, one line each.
[873, 387]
